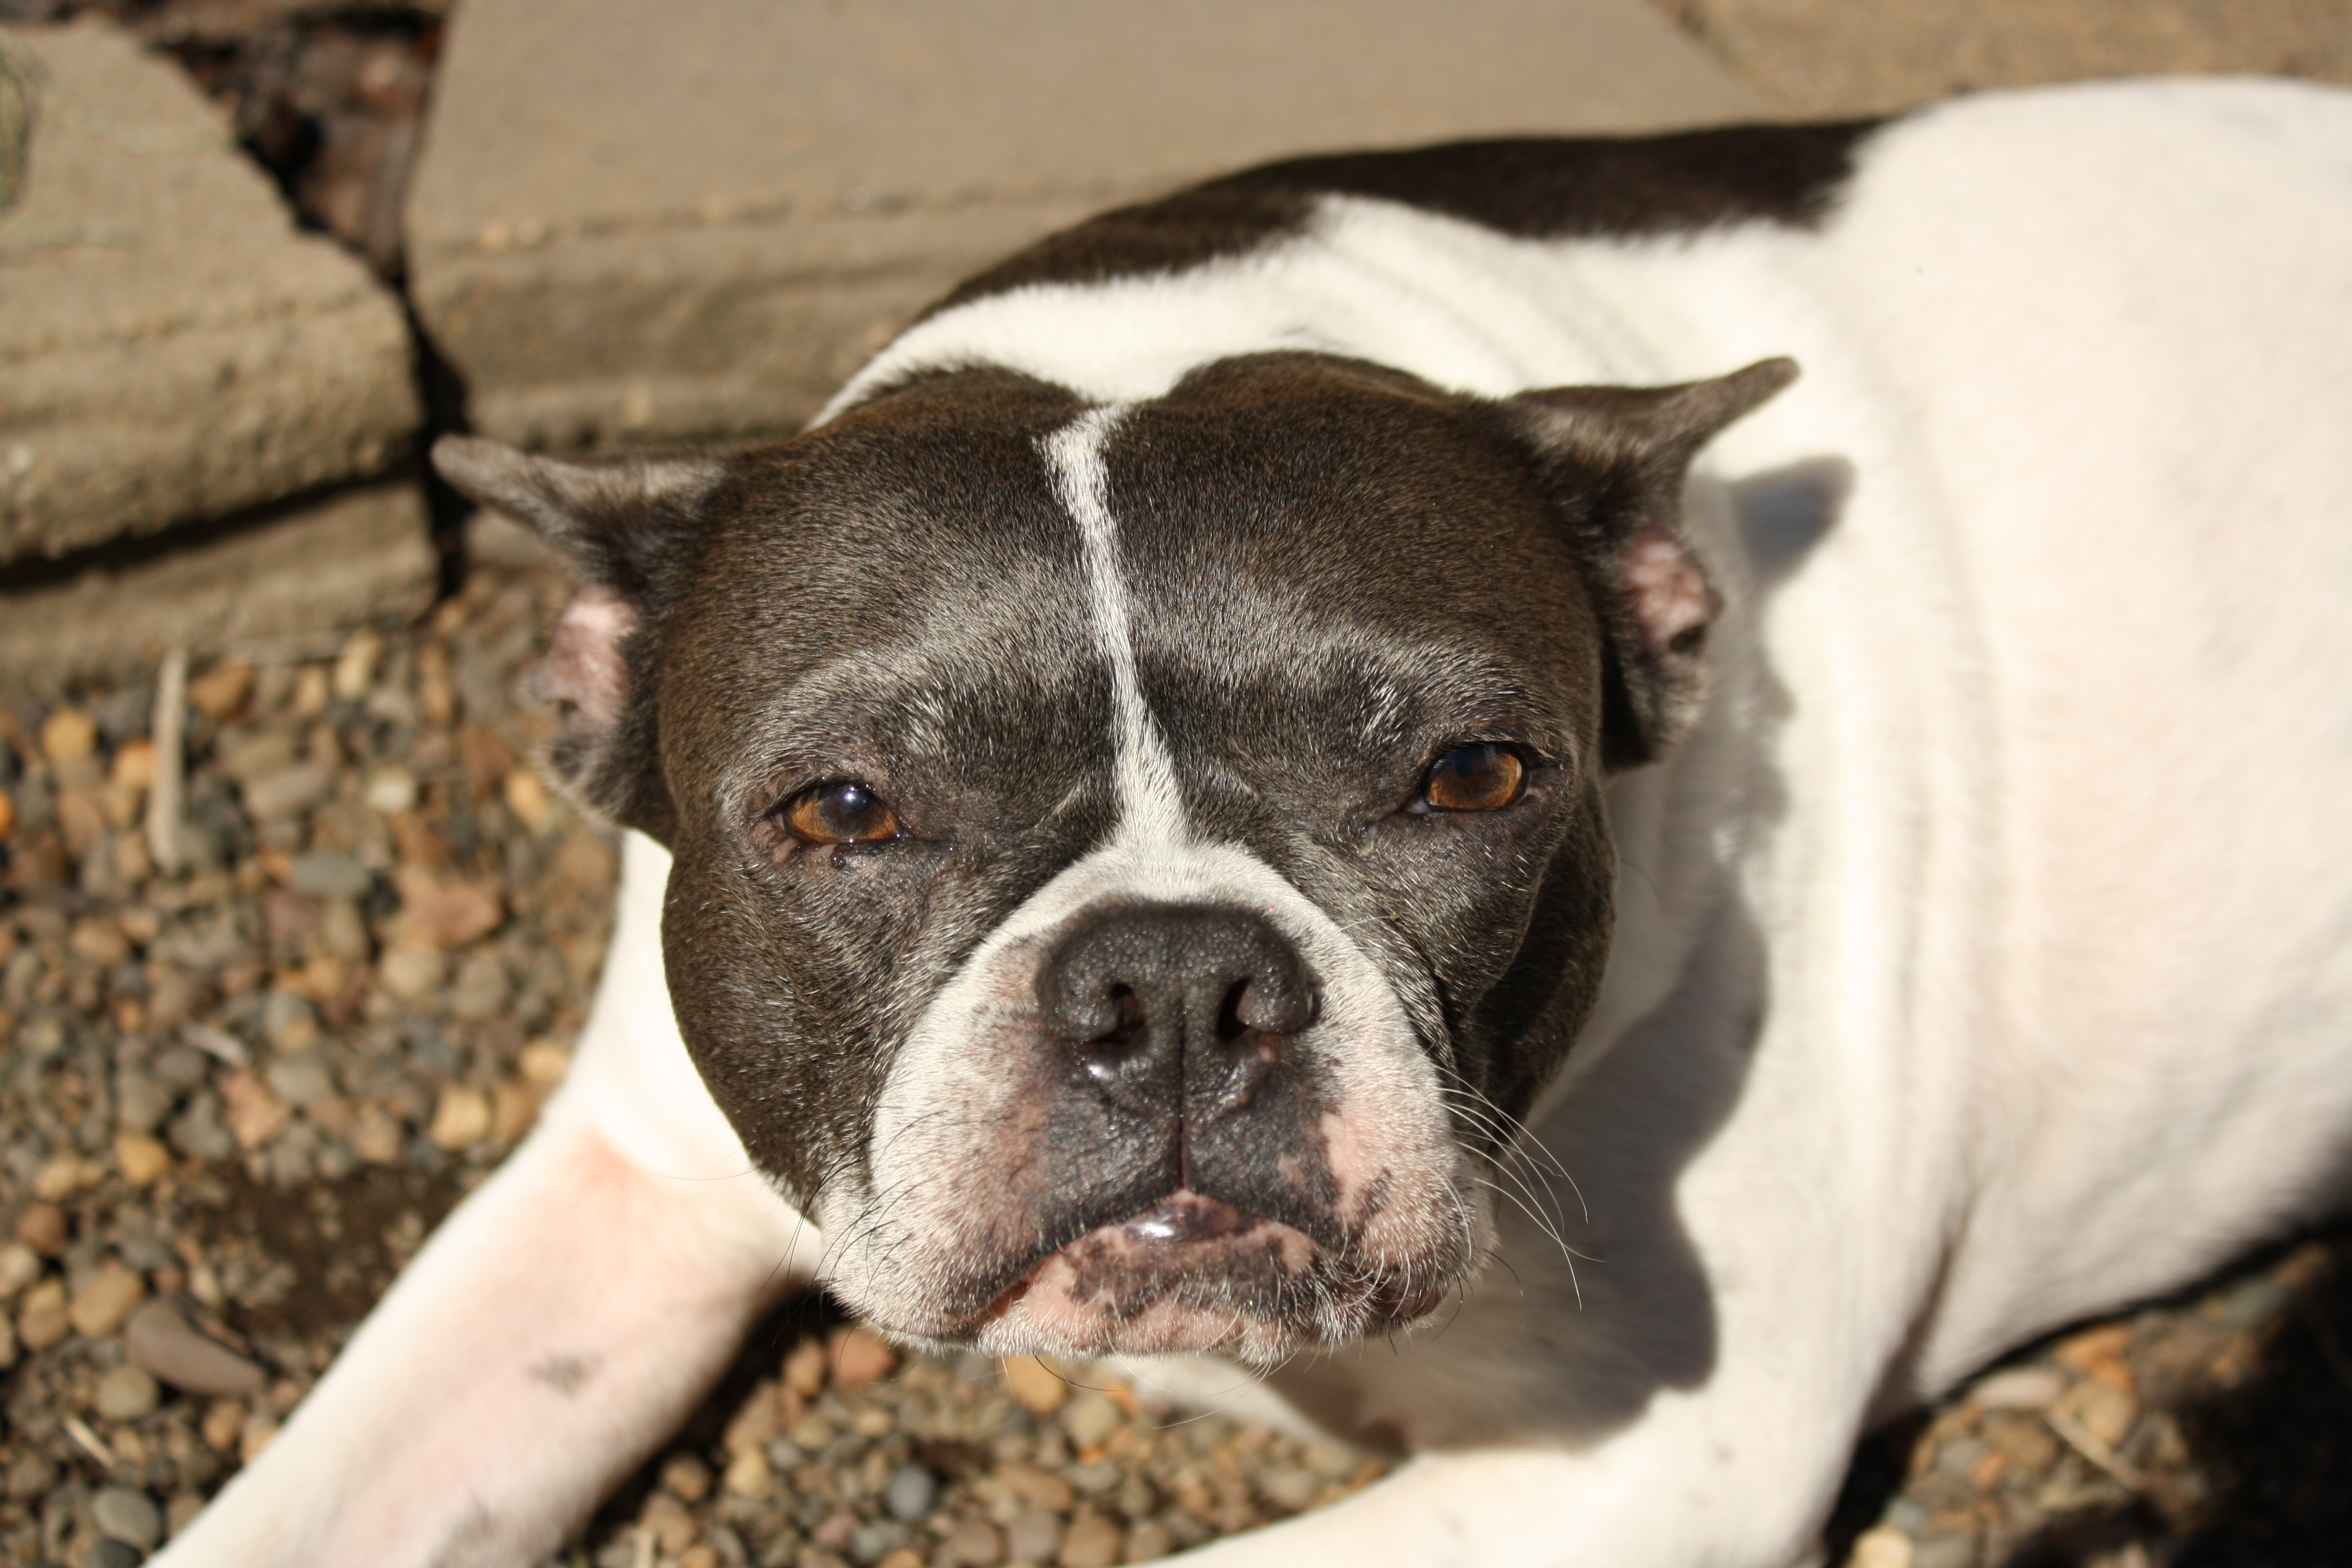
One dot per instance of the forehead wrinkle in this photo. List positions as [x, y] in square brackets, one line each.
[942, 704]
[1396, 677]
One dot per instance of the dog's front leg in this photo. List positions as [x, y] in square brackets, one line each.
[554, 1331]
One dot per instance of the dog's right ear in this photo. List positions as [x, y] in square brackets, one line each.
[623, 527]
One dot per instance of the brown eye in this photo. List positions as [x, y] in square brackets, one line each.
[1474, 778]
[846, 813]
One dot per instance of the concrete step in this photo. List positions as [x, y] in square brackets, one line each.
[171, 349]
[691, 220]
[304, 569]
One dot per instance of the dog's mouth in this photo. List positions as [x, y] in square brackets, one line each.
[1191, 1273]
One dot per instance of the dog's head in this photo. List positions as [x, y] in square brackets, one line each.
[1132, 864]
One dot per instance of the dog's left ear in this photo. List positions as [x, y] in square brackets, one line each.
[623, 526]
[1614, 459]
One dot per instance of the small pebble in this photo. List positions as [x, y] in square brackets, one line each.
[749, 1475]
[42, 1228]
[860, 1357]
[127, 1393]
[69, 735]
[108, 1552]
[1036, 1385]
[462, 1117]
[973, 1543]
[143, 1160]
[104, 1298]
[221, 690]
[158, 1339]
[42, 1321]
[1091, 1418]
[301, 1080]
[1288, 1486]
[1092, 1541]
[391, 789]
[686, 1477]
[128, 1515]
[19, 1266]
[410, 972]
[141, 1102]
[2020, 1388]
[873, 1541]
[912, 1493]
[1881, 1548]
[1032, 1537]
[289, 1021]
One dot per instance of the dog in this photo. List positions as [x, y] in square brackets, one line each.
[1606, 807]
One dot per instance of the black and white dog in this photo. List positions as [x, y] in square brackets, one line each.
[1267, 716]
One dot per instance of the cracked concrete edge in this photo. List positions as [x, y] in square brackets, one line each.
[305, 570]
[171, 350]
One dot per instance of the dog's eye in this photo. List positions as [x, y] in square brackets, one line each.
[1474, 778]
[844, 813]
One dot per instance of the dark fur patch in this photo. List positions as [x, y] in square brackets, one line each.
[1534, 188]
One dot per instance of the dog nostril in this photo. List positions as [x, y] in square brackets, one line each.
[1123, 1020]
[1278, 1002]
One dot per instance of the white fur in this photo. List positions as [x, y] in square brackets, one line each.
[2021, 818]
[1151, 807]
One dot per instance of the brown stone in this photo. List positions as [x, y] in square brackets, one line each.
[1091, 1541]
[67, 736]
[461, 1117]
[103, 1299]
[1035, 1384]
[222, 1424]
[859, 1357]
[804, 1368]
[42, 1320]
[221, 690]
[42, 1228]
[446, 913]
[256, 1116]
[143, 1159]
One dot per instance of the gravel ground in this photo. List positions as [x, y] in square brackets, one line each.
[238, 1094]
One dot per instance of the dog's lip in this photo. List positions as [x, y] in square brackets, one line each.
[1184, 1218]
[1165, 1231]
[1186, 1229]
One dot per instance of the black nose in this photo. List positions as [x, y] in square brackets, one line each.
[1176, 1008]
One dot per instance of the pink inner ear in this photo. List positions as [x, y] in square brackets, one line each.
[1669, 593]
[582, 666]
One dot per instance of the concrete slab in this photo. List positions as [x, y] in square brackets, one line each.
[362, 556]
[170, 347]
[1835, 57]
[642, 222]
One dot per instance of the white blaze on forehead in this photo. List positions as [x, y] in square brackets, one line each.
[1152, 808]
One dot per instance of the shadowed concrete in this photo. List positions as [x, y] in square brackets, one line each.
[659, 222]
[362, 556]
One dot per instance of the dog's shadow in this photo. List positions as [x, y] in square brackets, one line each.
[2258, 1478]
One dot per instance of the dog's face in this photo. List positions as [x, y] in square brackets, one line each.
[1132, 864]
